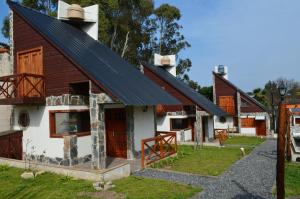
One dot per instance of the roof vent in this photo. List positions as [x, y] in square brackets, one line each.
[75, 12]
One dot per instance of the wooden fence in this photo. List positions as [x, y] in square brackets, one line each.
[158, 147]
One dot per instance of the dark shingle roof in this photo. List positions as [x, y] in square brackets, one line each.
[242, 92]
[101, 64]
[196, 97]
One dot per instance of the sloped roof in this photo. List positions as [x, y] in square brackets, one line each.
[187, 91]
[242, 92]
[98, 62]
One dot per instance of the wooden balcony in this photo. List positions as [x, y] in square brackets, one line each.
[22, 88]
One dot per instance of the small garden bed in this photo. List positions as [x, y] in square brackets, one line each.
[49, 185]
[292, 179]
[211, 161]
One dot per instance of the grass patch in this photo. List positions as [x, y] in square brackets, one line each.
[211, 161]
[245, 140]
[138, 187]
[49, 185]
[292, 179]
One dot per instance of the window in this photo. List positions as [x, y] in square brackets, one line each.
[24, 119]
[179, 124]
[297, 121]
[69, 122]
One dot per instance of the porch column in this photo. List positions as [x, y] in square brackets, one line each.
[97, 133]
[130, 131]
[238, 100]
[198, 129]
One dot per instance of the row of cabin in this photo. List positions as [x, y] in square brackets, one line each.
[75, 101]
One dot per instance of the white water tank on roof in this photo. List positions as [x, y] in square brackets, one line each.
[76, 12]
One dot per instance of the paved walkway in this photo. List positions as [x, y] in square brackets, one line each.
[250, 177]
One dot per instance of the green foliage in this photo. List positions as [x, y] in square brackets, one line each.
[260, 95]
[50, 185]
[138, 187]
[245, 141]
[207, 92]
[211, 161]
[4, 167]
[5, 27]
[292, 179]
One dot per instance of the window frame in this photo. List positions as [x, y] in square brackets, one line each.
[52, 124]
[171, 125]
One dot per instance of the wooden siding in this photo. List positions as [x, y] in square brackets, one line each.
[59, 71]
[223, 88]
[167, 87]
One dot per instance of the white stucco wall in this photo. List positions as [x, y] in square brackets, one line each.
[38, 132]
[210, 127]
[143, 125]
[5, 110]
[248, 131]
[225, 125]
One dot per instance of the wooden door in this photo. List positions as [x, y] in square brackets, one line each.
[116, 137]
[30, 61]
[261, 129]
[11, 146]
[227, 104]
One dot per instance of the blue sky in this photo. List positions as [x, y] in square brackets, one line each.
[259, 40]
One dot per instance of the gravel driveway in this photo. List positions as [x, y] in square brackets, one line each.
[250, 177]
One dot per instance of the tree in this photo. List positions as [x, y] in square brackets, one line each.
[125, 26]
[260, 95]
[168, 37]
[48, 7]
[5, 27]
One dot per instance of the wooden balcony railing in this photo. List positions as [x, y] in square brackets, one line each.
[158, 147]
[22, 88]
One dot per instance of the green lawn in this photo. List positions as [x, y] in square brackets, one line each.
[137, 187]
[211, 161]
[244, 141]
[49, 185]
[292, 179]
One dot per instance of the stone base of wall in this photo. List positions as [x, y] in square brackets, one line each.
[67, 100]
[32, 159]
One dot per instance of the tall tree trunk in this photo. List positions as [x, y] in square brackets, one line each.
[125, 44]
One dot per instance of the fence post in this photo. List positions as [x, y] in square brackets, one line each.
[175, 135]
[161, 148]
[143, 155]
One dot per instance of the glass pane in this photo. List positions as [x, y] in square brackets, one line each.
[72, 122]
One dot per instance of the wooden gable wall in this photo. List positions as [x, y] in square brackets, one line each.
[167, 87]
[223, 88]
[59, 71]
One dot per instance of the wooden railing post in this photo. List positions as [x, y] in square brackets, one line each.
[143, 154]
[161, 149]
[175, 146]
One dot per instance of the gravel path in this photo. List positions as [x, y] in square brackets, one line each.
[250, 177]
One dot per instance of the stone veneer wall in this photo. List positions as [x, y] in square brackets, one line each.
[67, 100]
[97, 118]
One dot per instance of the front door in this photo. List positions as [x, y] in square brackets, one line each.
[31, 62]
[260, 127]
[116, 139]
